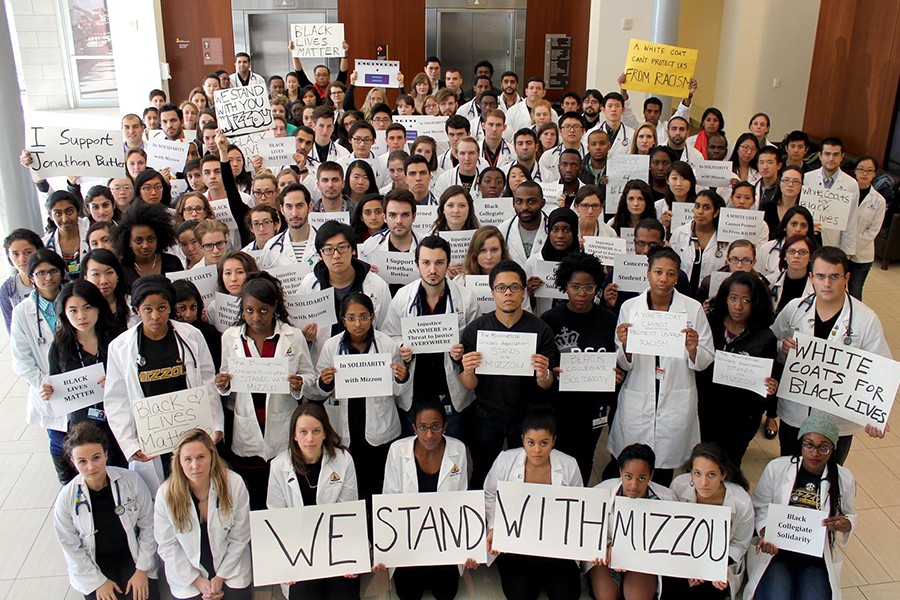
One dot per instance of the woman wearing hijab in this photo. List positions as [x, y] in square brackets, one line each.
[560, 243]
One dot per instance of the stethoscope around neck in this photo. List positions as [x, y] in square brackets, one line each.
[416, 304]
[41, 340]
[808, 303]
[141, 361]
[81, 499]
[698, 251]
[515, 218]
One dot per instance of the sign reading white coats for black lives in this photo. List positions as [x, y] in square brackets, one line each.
[551, 520]
[162, 419]
[831, 207]
[318, 40]
[678, 539]
[431, 333]
[842, 380]
[76, 389]
[202, 277]
[68, 150]
[505, 352]
[309, 542]
[437, 528]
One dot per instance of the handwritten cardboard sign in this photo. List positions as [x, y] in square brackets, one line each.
[796, 529]
[318, 40]
[546, 270]
[430, 334]
[630, 272]
[162, 419]
[739, 224]
[682, 214]
[377, 73]
[223, 213]
[243, 110]
[659, 69]
[551, 520]
[69, 151]
[506, 353]
[309, 542]
[363, 375]
[76, 389]
[438, 528]
[587, 372]
[831, 207]
[742, 371]
[628, 166]
[656, 333]
[162, 153]
[842, 380]
[259, 375]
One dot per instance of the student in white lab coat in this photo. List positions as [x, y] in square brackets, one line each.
[695, 242]
[159, 355]
[67, 230]
[202, 524]
[814, 480]
[536, 462]
[526, 232]
[830, 176]
[261, 420]
[711, 478]
[658, 400]
[314, 469]
[427, 462]
[33, 324]
[869, 218]
[636, 464]
[104, 523]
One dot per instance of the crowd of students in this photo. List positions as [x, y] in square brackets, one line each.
[94, 290]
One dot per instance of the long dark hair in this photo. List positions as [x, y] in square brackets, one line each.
[107, 258]
[330, 444]
[781, 231]
[65, 342]
[685, 170]
[267, 289]
[736, 159]
[714, 452]
[54, 199]
[370, 175]
[761, 316]
[622, 217]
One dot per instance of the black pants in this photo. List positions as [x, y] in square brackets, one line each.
[411, 583]
[120, 576]
[524, 577]
[230, 594]
[486, 434]
[730, 425]
[790, 445]
[254, 470]
[576, 435]
[675, 588]
[330, 588]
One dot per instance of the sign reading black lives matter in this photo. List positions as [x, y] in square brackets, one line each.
[245, 116]
[68, 150]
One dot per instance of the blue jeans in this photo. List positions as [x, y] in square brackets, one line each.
[782, 582]
[858, 274]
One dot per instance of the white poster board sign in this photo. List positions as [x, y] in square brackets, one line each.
[431, 333]
[377, 73]
[678, 539]
[742, 371]
[682, 214]
[309, 542]
[630, 273]
[317, 219]
[162, 153]
[842, 380]
[277, 152]
[506, 353]
[162, 419]
[614, 189]
[315, 307]
[796, 529]
[656, 333]
[76, 389]
[459, 243]
[259, 375]
[626, 167]
[223, 214]
[494, 211]
[228, 309]
[363, 375]
[479, 286]
[318, 40]
[202, 277]
[395, 267]
[438, 528]
[716, 279]
[739, 224]
[74, 151]
[291, 276]
[425, 217]
[604, 248]
[546, 270]
[417, 125]
[831, 207]
[551, 520]
[714, 173]
[243, 110]
[627, 234]
[587, 372]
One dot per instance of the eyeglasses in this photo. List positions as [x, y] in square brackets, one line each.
[158, 188]
[865, 171]
[576, 288]
[363, 318]
[340, 249]
[797, 252]
[791, 181]
[361, 140]
[829, 277]
[263, 193]
[734, 260]
[747, 148]
[381, 120]
[263, 223]
[822, 448]
[435, 428]
[571, 127]
[590, 206]
[217, 245]
[193, 209]
[46, 273]
[502, 288]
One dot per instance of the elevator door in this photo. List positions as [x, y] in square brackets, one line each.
[464, 38]
[268, 35]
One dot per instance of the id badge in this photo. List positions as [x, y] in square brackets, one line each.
[96, 414]
[660, 373]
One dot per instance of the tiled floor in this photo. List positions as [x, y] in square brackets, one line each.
[31, 565]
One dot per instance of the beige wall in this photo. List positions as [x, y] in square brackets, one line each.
[700, 27]
[608, 42]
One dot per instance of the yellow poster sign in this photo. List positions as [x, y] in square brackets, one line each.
[658, 68]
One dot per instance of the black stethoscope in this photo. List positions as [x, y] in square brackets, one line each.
[848, 329]
[612, 137]
[279, 239]
[513, 222]
[342, 347]
[37, 310]
[416, 304]
[698, 251]
[182, 346]
[81, 499]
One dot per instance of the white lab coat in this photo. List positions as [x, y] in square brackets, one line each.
[400, 469]
[451, 177]
[518, 116]
[845, 239]
[662, 128]
[247, 439]
[713, 256]
[51, 240]
[335, 153]
[382, 420]
[738, 500]
[689, 154]
[775, 487]
[670, 425]
[799, 317]
[461, 301]
[336, 483]
[234, 80]
[768, 255]
[549, 162]
[869, 218]
[279, 251]
[381, 241]
[621, 144]
[777, 288]
[229, 540]
[31, 360]
[510, 230]
[505, 156]
[122, 386]
[77, 535]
